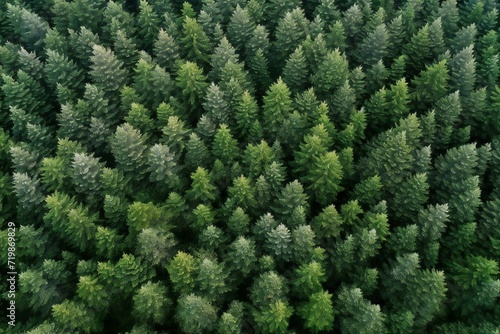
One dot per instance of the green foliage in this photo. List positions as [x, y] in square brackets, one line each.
[325, 178]
[332, 72]
[241, 256]
[105, 65]
[235, 166]
[128, 148]
[195, 42]
[182, 269]
[192, 82]
[274, 318]
[151, 303]
[360, 315]
[318, 312]
[71, 316]
[196, 314]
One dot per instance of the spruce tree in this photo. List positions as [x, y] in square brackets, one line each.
[195, 42]
[277, 105]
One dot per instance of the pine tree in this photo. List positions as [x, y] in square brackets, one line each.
[92, 293]
[140, 118]
[192, 82]
[148, 23]
[216, 106]
[376, 77]
[29, 194]
[448, 12]
[30, 64]
[241, 194]
[106, 241]
[197, 153]
[447, 110]
[163, 166]
[82, 318]
[231, 321]
[182, 269]
[352, 22]
[116, 17]
[86, 174]
[211, 280]
[105, 65]
[295, 72]
[155, 245]
[456, 184]
[240, 27]
[374, 46]
[202, 188]
[325, 178]
[358, 315]
[409, 199]
[382, 161]
[273, 318]
[318, 312]
[327, 10]
[128, 148]
[242, 256]
[125, 48]
[61, 70]
[432, 223]
[223, 54]
[277, 105]
[174, 134]
[418, 50]
[308, 279]
[151, 297]
[327, 224]
[29, 27]
[225, 147]
[195, 41]
[83, 41]
[246, 114]
[291, 30]
[259, 40]
[152, 83]
[431, 84]
[332, 72]
[267, 287]
[463, 69]
[195, 314]
[405, 277]
[203, 216]
[166, 50]
[24, 93]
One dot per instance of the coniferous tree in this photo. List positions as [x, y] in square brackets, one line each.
[166, 50]
[358, 315]
[463, 67]
[242, 256]
[148, 23]
[374, 46]
[195, 314]
[192, 82]
[277, 105]
[128, 148]
[318, 312]
[332, 72]
[295, 72]
[105, 65]
[195, 41]
[432, 83]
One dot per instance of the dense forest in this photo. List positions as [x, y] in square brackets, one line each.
[248, 166]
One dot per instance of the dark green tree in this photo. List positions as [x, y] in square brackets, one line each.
[195, 314]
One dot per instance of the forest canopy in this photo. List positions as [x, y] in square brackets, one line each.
[247, 166]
